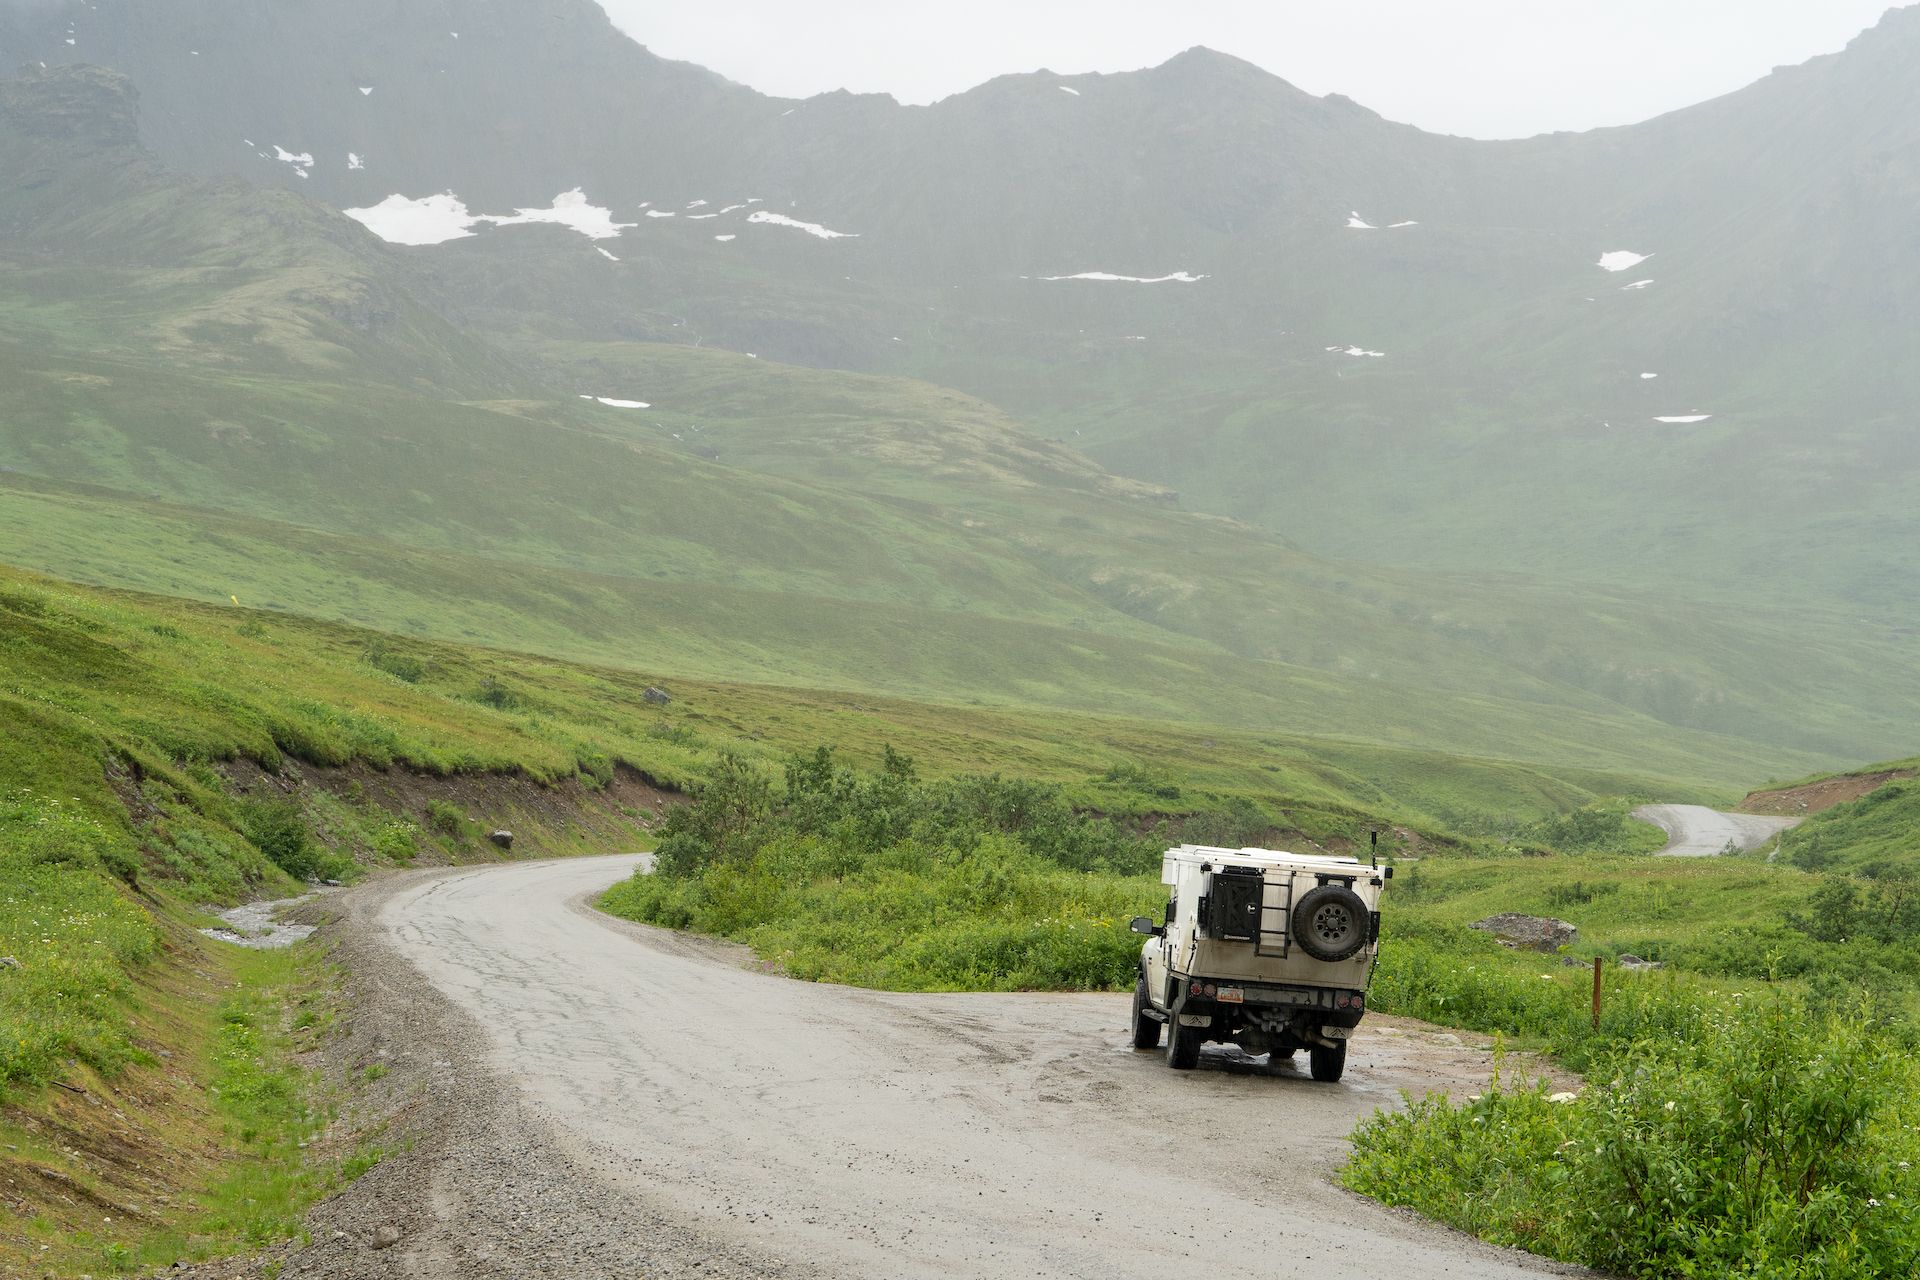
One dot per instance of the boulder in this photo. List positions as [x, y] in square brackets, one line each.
[1535, 933]
[502, 838]
[656, 695]
[1633, 963]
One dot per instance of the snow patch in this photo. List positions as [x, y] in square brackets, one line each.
[1395, 226]
[1637, 284]
[1067, 88]
[1648, 376]
[697, 204]
[366, 91]
[1687, 418]
[611, 403]
[730, 208]
[1178, 277]
[1622, 259]
[603, 253]
[433, 220]
[811, 228]
[570, 209]
[724, 239]
[1357, 223]
[303, 160]
[355, 160]
[661, 213]
[1360, 352]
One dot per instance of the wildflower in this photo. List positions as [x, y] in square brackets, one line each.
[1669, 1106]
[1563, 1096]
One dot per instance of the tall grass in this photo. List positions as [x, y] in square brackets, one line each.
[1774, 1141]
[68, 940]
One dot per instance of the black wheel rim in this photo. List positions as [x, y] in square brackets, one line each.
[1333, 926]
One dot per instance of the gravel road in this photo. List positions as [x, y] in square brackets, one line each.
[601, 1099]
[1694, 831]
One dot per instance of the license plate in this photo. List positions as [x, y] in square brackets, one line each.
[1231, 995]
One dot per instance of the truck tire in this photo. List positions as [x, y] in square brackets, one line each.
[1331, 923]
[1183, 1046]
[1146, 1031]
[1328, 1064]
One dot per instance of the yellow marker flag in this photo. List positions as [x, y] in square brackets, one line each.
[235, 599]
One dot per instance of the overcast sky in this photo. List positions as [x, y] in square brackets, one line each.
[1486, 68]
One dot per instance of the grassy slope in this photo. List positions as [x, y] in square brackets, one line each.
[1877, 833]
[226, 350]
[787, 638]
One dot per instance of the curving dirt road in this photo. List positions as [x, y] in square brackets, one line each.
[761, 1126]
[1694, 831]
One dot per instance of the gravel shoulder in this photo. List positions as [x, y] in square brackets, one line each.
[586, 1097]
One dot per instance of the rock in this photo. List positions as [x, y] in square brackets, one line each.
[502, 838]
[8, 962]
[386, 1236]
[1536, 933]
[656, 695]
[1634, 963]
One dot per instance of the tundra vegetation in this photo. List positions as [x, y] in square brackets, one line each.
[884, 855]
[161, 756]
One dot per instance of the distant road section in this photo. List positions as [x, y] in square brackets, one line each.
[1694, 831]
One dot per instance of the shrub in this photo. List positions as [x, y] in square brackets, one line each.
[1775, 1142]
[448, 820]
[884, 879]
[401, 666]
[397, 841]
[493, 693]
[278, 829]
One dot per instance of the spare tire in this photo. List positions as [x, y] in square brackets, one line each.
[1331, 923]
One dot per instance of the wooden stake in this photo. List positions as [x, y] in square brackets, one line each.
[1597, 962]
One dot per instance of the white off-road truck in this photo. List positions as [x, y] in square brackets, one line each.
[1270, 951]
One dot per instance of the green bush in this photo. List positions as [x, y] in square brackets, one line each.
[1776, 1142]
[981, 883]
[1608, 827]
[401, 666]
[448, 820]
[278, 829]
[397, 841]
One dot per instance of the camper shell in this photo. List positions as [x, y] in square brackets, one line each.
[1265, 949]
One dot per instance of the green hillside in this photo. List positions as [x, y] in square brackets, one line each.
[157, 755]
[758, 521]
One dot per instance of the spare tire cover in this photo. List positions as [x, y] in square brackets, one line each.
[1331, 923]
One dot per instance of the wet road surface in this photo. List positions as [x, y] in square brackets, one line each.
[1694, 831]
[853, 1133]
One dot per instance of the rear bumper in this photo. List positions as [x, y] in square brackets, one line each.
[1304, 1009]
